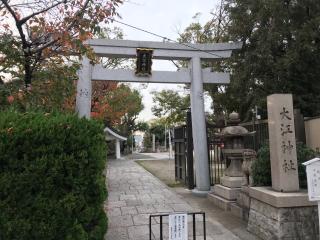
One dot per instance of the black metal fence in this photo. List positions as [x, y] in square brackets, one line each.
[260, 137]
[162, 229]
[183, 148]
[180, 154]
[215, 157]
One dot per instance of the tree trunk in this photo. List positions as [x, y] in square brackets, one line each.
[27, 71]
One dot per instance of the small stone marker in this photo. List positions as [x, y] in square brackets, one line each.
[178, 226]
[313, 178]
[283, 154]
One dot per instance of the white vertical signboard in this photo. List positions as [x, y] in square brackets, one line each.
[313, 178]
[178, 226]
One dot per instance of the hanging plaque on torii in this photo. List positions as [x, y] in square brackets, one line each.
[194, 75]
[144, 62]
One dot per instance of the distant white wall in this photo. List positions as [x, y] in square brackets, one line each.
[312, 128]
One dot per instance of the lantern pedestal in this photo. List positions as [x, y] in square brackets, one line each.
[223, 196]
[231, 182]
[235, 167]
[226, 193]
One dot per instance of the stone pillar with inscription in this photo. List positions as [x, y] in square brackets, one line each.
[83, 101]
[283, 154]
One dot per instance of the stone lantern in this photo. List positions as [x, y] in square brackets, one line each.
[226, 193]
[233, 137]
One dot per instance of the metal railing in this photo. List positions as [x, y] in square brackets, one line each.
[184, 166]
[260, 137]
[194, 225]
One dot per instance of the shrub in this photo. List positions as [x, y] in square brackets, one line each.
[51, 177]
[261, 169]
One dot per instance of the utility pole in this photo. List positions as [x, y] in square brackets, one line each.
[165, 138]
[132, 141]
[170, 144]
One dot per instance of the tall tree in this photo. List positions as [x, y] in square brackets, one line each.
[170, 105]
[213, 31]
[281, 47]
[54, 84]
[45, 29]
[53, 90]
[118, 105]
[158, 127]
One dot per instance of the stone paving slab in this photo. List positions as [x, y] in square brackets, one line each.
[134, 194]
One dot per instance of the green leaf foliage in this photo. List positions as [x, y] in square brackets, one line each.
[51, 177]
[170, 105]
[261, 169]
[281, 47]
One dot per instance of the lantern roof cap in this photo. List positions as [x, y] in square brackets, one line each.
[234, 131]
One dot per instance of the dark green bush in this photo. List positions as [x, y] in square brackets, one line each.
[51, 177]
[261, 169]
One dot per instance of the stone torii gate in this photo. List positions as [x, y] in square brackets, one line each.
[194, 75]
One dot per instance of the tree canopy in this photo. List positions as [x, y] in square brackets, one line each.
[281, 47]
[170, 105]
[35, 31]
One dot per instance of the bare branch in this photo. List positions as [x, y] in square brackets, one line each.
[48, 44]
[52, 42]
[25, 19]
[19, 26]
[11, 11]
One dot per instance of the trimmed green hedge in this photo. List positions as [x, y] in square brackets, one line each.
[261, 168]
[51, 177]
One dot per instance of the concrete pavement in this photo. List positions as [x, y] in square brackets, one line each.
[134, 194]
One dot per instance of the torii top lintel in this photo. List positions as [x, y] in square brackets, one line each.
[162, 50]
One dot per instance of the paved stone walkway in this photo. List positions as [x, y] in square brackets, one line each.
[134, 194]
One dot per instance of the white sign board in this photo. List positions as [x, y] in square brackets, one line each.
[313, 177]
[178, 226]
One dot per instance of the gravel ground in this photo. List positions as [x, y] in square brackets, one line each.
[162, 169]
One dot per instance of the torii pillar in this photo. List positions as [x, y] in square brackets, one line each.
[195, 76]
[199, 130]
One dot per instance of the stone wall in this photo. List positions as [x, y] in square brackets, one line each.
[244, 201]
[271, 223]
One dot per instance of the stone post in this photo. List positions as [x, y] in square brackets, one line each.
[199, 129]
[83, 100]
[118, 154]
[283, 154]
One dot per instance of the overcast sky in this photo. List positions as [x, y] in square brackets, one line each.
[165, 18]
